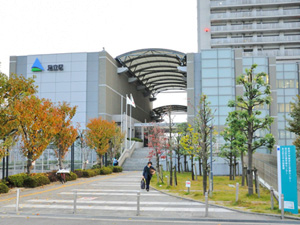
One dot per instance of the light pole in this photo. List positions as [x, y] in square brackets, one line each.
[211, 183]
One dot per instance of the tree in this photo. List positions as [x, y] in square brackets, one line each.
[67, 134]
[234, 144]
[256, 93]
[99, 134]
[13, 88]
[84, 148]
[294, 122]
[116, 142]
[179, 151]
[36, 126]
[156, 142]
[203, 126]
[190, 145]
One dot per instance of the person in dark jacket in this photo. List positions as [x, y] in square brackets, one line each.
[147, 175]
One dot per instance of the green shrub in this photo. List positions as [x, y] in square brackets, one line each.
[97, 166]
[97, 171]
[79, 173]
[17, 180]
[30, 181]
[41, 179]
[117, 169]
[89, 173]
[71, 176]
[3, 188]
[136, 139]
[105, 170]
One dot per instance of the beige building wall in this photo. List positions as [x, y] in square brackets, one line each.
[113, 88]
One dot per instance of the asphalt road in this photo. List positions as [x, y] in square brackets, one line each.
[112, 199]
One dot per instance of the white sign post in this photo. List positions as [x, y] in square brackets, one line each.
[188, 185]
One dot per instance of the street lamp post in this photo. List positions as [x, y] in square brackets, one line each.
[211, 183]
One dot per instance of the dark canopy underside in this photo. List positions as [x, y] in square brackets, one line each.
[158, 112]
[155, 70]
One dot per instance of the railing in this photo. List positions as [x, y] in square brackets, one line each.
[242, 2]
[255, 40]
[127, 153]
[256, 27]
[276, 13]
[273, 53]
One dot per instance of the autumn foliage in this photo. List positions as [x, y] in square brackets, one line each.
[99, 134]
[37, 120]
[13, 88]
[67, 133]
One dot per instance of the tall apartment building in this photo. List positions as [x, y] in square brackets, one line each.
[259, 27]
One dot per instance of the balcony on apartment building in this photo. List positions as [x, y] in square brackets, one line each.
[255, 15]
[250, 28]
[251, 3]
[246, 41]
[274, 53]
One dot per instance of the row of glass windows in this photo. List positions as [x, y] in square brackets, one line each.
[287, 75]
[217, 53]
[218, 82]
[286, 84]
[283, 107]
[213, 63]
[260, 61]
[283, 134]
[217, 72]
[286, 67]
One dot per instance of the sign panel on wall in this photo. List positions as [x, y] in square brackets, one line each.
[287, 177]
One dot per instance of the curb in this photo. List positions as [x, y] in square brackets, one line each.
[225, 207]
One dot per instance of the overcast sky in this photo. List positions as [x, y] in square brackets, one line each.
[59, 26]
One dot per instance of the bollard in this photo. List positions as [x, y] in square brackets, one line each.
[75, 202]
[282, 206]
[237, 192]
[272, 198]
[206, 204]
[18, 199]
[138, 204]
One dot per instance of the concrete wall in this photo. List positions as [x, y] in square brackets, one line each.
[113, 89]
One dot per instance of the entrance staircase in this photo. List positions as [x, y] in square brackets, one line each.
[138, 160]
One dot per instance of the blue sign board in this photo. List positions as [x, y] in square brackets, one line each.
[287, 177]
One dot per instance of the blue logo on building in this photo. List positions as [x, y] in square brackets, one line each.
[37, 66]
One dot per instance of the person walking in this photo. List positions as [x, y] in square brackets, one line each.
[147, 174]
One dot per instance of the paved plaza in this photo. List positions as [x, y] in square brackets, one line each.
[112, 199]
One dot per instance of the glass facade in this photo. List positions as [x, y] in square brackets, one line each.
[287, 89]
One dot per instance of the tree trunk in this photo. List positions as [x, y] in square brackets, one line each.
[192, 161]
[204, 183]
[60, 156]
[249, 172]
[29, 162]
[200, 169]
[178, 162]
[243, 174]
[185, 163]
[234, 167]
[230, 167]
[171, 168]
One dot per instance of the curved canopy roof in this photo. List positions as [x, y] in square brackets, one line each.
[158, 112]
[155, 70]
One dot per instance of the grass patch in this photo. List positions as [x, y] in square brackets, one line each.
[223, 194]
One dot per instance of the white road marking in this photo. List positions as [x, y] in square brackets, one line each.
[115, 202]
[114, 208]
[144, 194]
[102, 190]
[114, 184]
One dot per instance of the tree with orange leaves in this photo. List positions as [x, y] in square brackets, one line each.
[67, 133]
[12, 89]
[99, 134]
[37, 120]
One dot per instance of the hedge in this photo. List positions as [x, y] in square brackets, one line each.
[117, 169]
[105, 170]
[71, 176]
[30, 182]
[41, 179]
[17, 180]
[3, 188]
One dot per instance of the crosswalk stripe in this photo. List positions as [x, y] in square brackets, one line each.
[102, 190]
[114, 184]
[115, 202]
[124, 208]
[144, 194]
